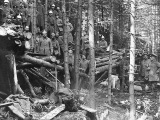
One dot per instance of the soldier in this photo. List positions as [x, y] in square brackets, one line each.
[59, 23]
[51, 23]
[69, 29]
[144, 72]
[45, 45]
[102, 45]
[55, 45]
[153, 67]
[40, 16]
[18, 20]
[6, 8]
[54, 11]
[59, 12]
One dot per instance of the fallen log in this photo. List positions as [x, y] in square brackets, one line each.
[26, 65]
[53, 113]
[35, 54]
[51, 59]
[106, 59]
[16, 112]
[26, 78]
[37, 61]
[42, 79]
[103, 68]
[105, 63]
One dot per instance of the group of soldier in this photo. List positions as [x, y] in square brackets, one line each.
[150, 71]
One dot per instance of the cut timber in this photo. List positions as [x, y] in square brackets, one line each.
[50, 59]
[99, 60]
[105, 63]
[53, 113]
[40, 62]
[16, 112]
[103, 68]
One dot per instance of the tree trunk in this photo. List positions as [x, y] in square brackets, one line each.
[110, 54]
[77, 46]
[46, 12]
[66, 67]
[40, 62]
[132, 61]
[34, 26]
[92, 52]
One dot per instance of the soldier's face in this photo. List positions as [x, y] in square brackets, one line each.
[5, 4]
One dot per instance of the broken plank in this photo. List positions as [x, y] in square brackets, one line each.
[16, 112]
[6, 104]
[53, 113]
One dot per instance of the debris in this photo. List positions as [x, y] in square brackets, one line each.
[16, 112]
[53, 113]
[6, 104]
[41, 101]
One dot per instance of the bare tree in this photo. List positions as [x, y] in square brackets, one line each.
[77, 46]
[66, 67]
[92, 52]
[46, 13]
[132, 61]
[110, 54]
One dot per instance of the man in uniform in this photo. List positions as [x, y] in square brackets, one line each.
[154, 65]
[144, 71]
[102, 45]
[51, 23]
[45, 45]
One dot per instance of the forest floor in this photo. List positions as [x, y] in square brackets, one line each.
[146, 105]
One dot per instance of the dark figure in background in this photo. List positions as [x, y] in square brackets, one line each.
[51, 24]
[144, 71]
[40, 15]
[55, 45]
[23, 12]
[61, 44]
[102, 47]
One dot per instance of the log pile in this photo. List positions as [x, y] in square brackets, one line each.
[102, 61]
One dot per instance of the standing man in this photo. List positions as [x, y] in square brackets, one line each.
[154, 65]
[6, 8]
[144, 70]
[40, 15]
[51, 23]
[55, 45]
[103, 45]
[69, 28]
[45, 45]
